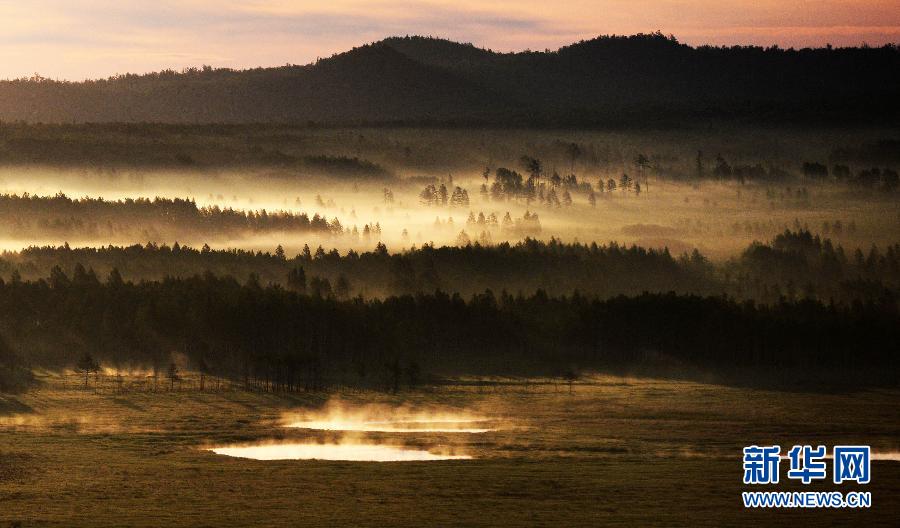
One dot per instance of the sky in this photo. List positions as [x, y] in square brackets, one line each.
[79, 39]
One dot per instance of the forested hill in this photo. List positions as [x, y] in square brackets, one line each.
[637, 80]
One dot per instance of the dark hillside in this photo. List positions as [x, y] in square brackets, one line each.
[637, 80]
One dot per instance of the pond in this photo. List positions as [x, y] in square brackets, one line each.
[356, 452]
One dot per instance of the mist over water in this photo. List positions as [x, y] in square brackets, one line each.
[338, 415]
[350, 426]
[399, 426]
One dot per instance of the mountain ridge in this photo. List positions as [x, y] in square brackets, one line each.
[639, 79]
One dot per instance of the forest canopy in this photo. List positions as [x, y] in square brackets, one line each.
[794, 265]
[287, 340]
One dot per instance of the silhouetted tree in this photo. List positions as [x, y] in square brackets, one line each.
[296, 279]
[173, 374]
[87, 365]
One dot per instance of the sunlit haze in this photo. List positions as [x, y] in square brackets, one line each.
[430, 263]
[339, 416]
[78, 39]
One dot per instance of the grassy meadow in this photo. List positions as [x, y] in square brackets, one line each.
[608, 450]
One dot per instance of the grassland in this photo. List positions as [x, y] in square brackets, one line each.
[613, 451]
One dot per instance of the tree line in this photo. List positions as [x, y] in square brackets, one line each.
[273, 338]
[31, 216]
[794, 265]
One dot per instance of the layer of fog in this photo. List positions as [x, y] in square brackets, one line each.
[338, 415]
[78, 423]
[718, 218]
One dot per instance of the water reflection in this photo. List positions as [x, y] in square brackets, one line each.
[348, 452]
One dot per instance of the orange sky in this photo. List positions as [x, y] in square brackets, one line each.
[77, 39]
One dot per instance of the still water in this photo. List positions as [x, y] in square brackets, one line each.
[349, 452]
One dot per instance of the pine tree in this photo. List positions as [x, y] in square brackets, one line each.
[87, 365]
[296, 280]
[172, 374]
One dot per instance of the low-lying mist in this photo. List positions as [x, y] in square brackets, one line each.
[338, 415]
[714, 189]
[351, 425]
[718, 218]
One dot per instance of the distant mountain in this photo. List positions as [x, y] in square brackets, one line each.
[637, 80]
